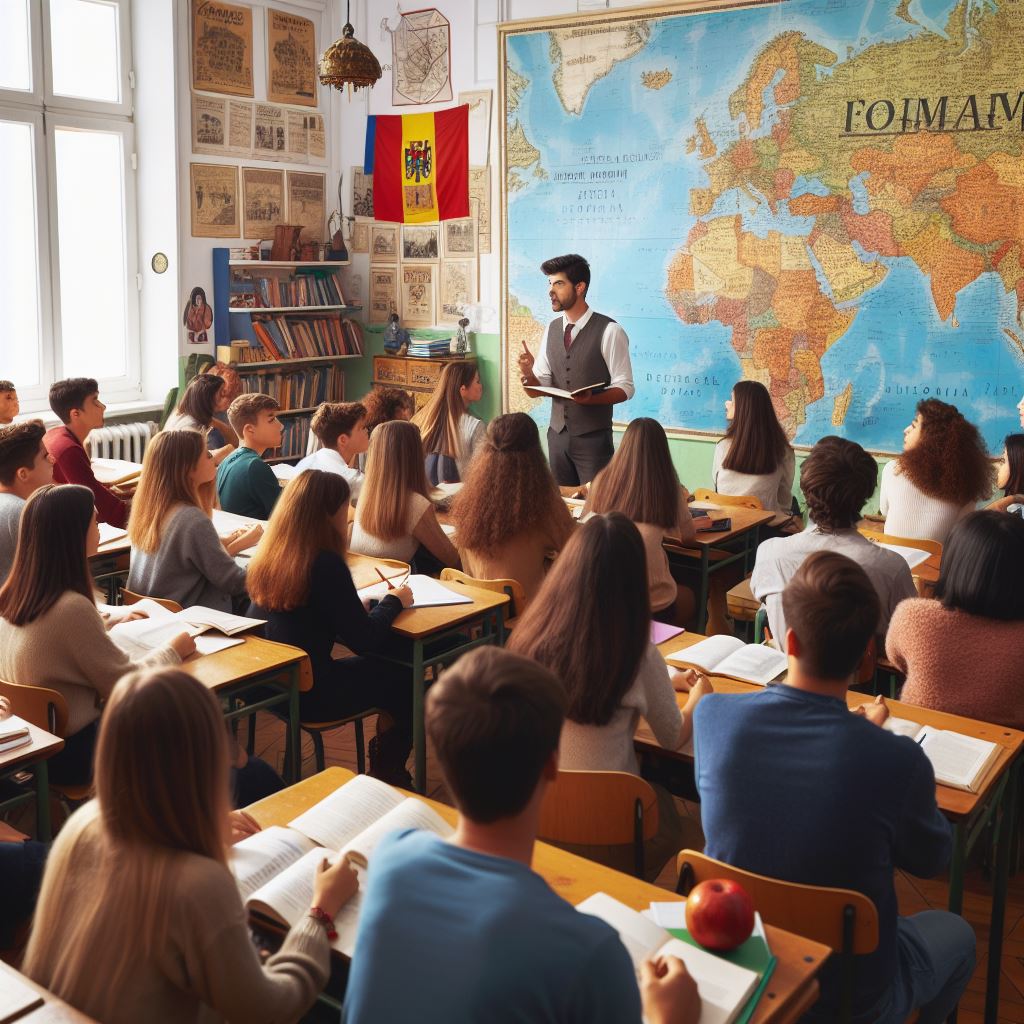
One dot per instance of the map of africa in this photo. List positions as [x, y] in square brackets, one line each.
[828, 198]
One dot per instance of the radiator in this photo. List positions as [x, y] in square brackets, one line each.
[121, 441]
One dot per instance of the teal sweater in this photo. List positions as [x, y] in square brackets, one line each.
[246, 485]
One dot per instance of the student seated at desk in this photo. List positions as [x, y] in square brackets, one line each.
[246, 485]
[509, 516]
[341, 429]
[25, 466]
[9, 407]
[51, 633]
[451, 434]
[395, 517]
[300, 584]
[943, 473]
[1010, 473]
[382, 405]
[590, 626]
[961, 653]
[176, 553]
[463, 930]
[641, 483]
[754, 458]
[837, 479]
[795, 786]
[77, 404]
[139, 917]
[205, 397]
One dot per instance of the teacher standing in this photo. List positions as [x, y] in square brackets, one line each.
[581, 347]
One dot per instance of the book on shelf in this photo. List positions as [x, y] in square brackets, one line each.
[300, 388]
[960, 762]
[275, 868]
[727, 656]
[295, 437]
[433, 348]
[313, 289]
[304, 337]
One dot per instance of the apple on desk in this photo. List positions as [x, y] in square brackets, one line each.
[719, 914]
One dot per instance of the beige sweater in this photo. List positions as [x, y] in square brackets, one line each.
[68, 650]
[208, 970]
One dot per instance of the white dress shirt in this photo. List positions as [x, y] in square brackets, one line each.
[614, 350]
[330, 461]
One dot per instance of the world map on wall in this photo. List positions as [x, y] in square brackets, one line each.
[824, 197]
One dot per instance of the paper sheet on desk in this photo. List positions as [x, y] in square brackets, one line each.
[426, 591]
[913, 556]
[227, 522]
[110, 533]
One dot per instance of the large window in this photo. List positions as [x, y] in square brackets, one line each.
[68, 262]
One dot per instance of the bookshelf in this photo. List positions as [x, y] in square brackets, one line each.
[297, 322]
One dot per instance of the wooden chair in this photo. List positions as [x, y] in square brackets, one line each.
[45, 709]
[130, 597]
[845, 920]
[736, 500]
[514, 589]
[600, 809]
[741, 605]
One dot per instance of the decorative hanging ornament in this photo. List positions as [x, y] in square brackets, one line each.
[349, 62]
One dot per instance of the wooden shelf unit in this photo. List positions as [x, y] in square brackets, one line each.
[417, 376]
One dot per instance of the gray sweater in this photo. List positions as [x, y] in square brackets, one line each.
[190, 566]
[10, 517]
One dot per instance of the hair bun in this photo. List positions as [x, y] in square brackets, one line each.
[513, 432]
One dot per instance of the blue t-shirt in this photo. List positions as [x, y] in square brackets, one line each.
[447, 934]
[794, 786]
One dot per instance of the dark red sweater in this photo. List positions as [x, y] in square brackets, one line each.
[71, 465]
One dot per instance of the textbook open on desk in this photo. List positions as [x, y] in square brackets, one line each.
[727, 656]
[275, 868]
[140, 636]
[959, 761]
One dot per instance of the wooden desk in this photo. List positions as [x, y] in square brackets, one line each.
[969, 813]
[33, 757]
[453, 622]
[791, 989]
[364, 569]
[52, 1010]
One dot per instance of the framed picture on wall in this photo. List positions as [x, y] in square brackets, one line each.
[417, 294]
[421, 243]
[383, 243]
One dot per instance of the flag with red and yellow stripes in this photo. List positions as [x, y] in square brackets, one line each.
[420, 165]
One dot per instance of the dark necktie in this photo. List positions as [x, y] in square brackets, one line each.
[568, 335]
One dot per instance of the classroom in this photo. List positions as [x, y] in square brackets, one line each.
[512, 511]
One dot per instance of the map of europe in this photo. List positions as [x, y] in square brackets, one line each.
[824, 197]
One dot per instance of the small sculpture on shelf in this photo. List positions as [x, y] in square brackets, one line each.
[396, 337]
[461, 346]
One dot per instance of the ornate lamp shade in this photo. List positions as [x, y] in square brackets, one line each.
[348, 62]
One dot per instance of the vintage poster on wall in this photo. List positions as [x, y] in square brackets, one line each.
[460, 237]
[480, 194]
[479, 103]
[359, 240]
[362, 193]
[221, 48]
[421, 242]
[307, 204]
[457, 290]
[270, 137]
[262, 201]
[383, 293]
[291, 59]
[214, 200]
[221, 127]
[383, 243]
[421, 59]
[417, 295]
[316, 139]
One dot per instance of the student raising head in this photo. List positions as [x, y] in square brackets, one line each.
[451, 434]
[176, 553]
[246, 485]
[9, 407]
[139, 917]
[590, 626]
[25, 466]
[641, 483]
[509, 516]
[943, 472]
[754, 458]
[51, 633]
[300, 584]
[205, 397]
[962, 652]
[341, 429]
[395, 517]
[383, 404]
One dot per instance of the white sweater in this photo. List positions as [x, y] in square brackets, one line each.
[909, 512]
[775, 490]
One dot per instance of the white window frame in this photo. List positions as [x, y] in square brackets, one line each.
[46, 112]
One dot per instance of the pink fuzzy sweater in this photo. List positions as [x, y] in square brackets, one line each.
[959, 663]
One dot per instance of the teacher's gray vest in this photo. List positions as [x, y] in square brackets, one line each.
[583, 364]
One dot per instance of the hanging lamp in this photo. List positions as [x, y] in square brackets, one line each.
[349, 62]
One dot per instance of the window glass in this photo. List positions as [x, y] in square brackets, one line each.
[85, 56]
[15, 49]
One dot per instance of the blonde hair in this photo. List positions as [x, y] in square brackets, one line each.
[116, 859]
[394, 472]
[166, 482]
[300, 528]
[438, 420]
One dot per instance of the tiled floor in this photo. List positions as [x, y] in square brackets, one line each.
[914, 894]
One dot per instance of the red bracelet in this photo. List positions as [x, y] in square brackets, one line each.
[326, 920]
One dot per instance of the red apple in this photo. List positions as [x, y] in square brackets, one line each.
[719, 914]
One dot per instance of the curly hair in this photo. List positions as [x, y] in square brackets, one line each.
[509, 489]
[383, 404]
[950, 461]
[837, 479]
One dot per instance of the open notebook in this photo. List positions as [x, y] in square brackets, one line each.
[275, 868]
[140, 636]
[727, 656]
[959, 761]
[724, 987]
[226, 523]
[115, 471]
[426, 592]
[912, 556]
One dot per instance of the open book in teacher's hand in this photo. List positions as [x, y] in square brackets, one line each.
[727, 656]
[275, 868]
[959, 761]
[543, 389]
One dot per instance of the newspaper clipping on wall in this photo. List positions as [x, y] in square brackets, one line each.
[221, 127]
[359, 240]
[458, 289]
[383, 243]
[270, 137]
[214, 200]
[479, 103]
[421, 59]
[362, 194]
[262, 201]
[228, 127]
[417, 295]
[291, 59]
[383, 293]
[222, 48]
[480, 193]
[307, 203]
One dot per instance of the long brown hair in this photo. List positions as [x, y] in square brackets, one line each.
[132, 837]
[50, 557]
[394, 472]
[383, 404]
[439, 419]
[166, 482]
[300, 528]
[591, 642]
[509, 489]
[200, 398]
[640, 481]
[758, 442]
[949, 461]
